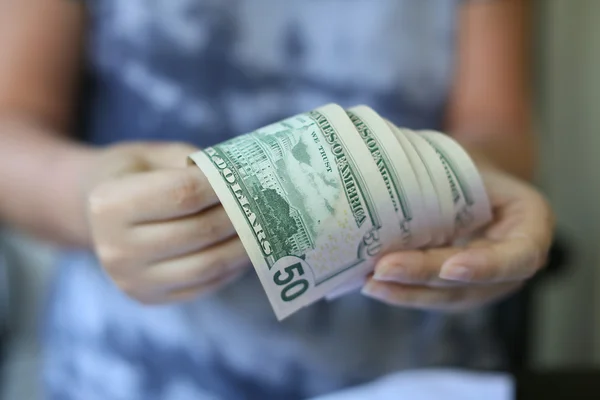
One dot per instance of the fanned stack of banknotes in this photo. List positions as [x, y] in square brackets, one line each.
[317, 199]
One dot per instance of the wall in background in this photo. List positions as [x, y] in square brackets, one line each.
[568, 79]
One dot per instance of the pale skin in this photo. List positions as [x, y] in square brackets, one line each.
[155, 223]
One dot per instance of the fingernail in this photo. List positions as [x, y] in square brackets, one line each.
[398, 268]
[389, 273]
[372, 289]
[456, 273]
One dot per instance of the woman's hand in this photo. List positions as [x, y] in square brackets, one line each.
[491, 265]
[157, 226]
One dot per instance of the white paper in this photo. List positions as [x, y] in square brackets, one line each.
[432, 385]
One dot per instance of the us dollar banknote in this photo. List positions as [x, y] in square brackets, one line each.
[444, 225]
[452, 191]
[305, 197]
[470, 201]
[396, 168]
[398, 174]
[428, 192]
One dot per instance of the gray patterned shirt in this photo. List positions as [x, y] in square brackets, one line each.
[202, 71]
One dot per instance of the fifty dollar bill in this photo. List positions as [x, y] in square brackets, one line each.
[305, 198]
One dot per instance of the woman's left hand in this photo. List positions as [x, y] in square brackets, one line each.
[509, 251]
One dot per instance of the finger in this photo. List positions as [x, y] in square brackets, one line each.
[171, 238]
[529, 215]
[153, 196]
[204, 289]
[442, 299]
[517, 243]
[519, 237]
[188, 293]
[197, 268]
[415, 267]
[517, 249]
[513, 259]
[161, 155]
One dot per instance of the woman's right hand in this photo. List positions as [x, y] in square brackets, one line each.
[157, 226]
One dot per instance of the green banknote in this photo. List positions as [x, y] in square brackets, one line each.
[471, 204]
[443, 227]
[404, 193]
[398, 174]
[308, 202]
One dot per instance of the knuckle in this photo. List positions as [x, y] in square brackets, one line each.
[201, 271]
[100, 201]
[211, 227]
[531, 257]
[127, 286]
[134, 291]
[188, 192]
[112, 257]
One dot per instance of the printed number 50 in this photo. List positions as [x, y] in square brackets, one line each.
[293, 289]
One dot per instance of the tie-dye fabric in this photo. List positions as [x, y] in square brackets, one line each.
[202, 71]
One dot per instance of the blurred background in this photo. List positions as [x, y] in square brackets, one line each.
[565, 308]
